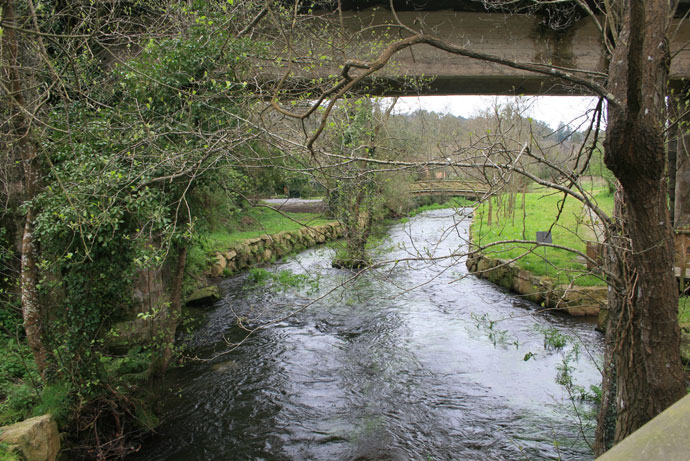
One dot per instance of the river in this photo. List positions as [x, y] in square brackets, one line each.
[414, 360]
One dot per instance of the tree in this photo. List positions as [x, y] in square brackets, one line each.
[356, 190]
[22, 149]
[122, 116]
[643, 373]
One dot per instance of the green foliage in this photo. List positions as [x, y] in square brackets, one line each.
[490, 328]
[58, 400]
[146, 417]
[353, 257]
[289, 279]
[19, 400]
[283, 279]
[258, 276]
[18, 378]
[6, 454]
[139, 171]
[9, 301]
[564, 377]
[128, 367]
[356, 196]
[553, 338]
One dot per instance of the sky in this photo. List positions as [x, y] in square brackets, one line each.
[550, 109]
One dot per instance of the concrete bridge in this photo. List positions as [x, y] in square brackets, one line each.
[467, 24]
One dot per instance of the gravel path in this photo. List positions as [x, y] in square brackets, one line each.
[296, 205]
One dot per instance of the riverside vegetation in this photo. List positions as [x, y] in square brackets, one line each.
[21, 394]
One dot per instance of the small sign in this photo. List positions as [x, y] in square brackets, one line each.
[544, 237]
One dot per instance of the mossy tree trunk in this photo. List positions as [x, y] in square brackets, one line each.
[169, 318]
[642, 359]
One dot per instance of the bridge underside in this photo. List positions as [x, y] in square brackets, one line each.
[521, 38]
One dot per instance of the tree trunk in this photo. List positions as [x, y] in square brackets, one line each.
[169, 317]
[643, 338]
[23, 143]
[31, 307]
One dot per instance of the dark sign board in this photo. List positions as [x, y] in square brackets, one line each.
[544, 237]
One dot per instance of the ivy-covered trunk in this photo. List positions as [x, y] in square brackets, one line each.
[643, 368]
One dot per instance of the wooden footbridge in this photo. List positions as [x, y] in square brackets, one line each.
[450, 187]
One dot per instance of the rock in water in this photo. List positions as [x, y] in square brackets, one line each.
[207, 295]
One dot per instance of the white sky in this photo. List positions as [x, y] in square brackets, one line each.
[549, 109]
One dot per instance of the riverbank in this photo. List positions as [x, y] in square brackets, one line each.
[247, 253]
[574, 300]
[557, 280]
[554, 278]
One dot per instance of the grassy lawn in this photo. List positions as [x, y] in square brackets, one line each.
[262, 221]
[572, 229]
[252, 223]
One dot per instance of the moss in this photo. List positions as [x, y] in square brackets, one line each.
[7, 453]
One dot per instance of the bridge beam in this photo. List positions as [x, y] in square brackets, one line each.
[515, 37]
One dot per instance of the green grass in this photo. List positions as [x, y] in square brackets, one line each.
[571, 230]
[253, 223]
[257, 222]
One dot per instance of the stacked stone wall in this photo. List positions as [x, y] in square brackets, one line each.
[576, 301]
[260, 250]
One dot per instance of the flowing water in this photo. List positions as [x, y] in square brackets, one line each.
[415, 360]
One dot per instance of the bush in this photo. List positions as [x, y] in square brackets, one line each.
[57, 400]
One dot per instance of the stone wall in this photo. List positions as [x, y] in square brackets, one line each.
[576, 301]
[260, 250]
